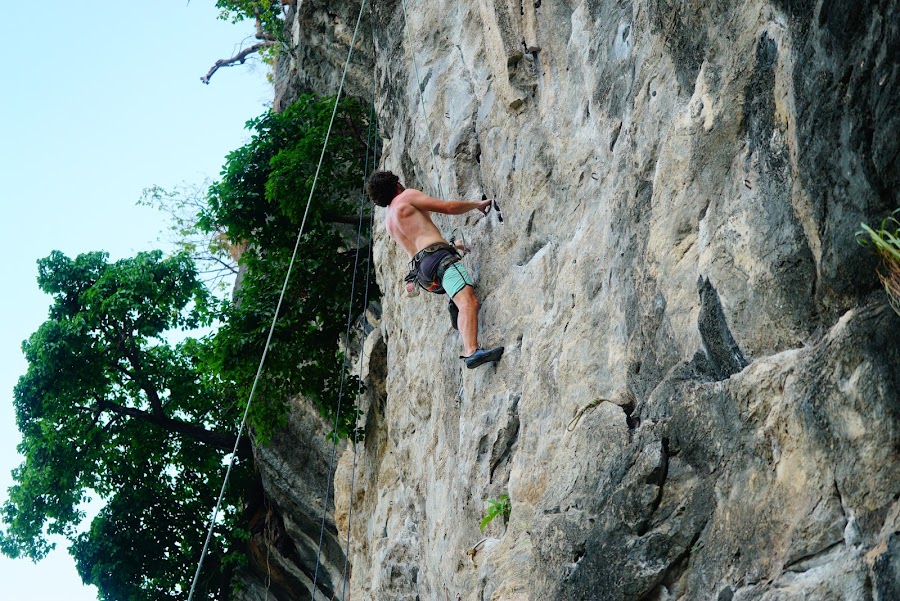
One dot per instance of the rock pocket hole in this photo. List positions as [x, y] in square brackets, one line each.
[579, 553]
[631, 420]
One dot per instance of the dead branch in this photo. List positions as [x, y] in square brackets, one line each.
[238, 58]
[266, 40]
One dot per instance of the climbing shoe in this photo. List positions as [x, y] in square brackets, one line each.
[482, 356]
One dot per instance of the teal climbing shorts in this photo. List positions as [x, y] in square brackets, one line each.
[456, 278]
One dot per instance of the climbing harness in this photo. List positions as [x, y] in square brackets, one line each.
[428, 267]
[215, 513]
[427, 270]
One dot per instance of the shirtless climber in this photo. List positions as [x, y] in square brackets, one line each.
[436, 264]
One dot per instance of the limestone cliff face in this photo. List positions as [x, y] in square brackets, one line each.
[701, 387]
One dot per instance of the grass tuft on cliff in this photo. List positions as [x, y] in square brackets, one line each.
[886, 242]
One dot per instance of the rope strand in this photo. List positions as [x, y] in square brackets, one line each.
[287, 276]
[341, 387]
[362, 344]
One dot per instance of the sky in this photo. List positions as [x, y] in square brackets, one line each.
[100, 101]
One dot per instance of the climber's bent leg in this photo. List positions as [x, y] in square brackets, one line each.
[467, 320]
[458, 285]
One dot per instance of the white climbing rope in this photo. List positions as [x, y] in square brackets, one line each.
[215, 514]
[362, 343]
[341, 386]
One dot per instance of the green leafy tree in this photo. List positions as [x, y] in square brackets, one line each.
[260, 202]
[110, 406]
[266, 13]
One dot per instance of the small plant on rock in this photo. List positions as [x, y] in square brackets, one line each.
[496, 507]
[886, 241]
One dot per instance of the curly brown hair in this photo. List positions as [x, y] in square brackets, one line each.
[381, 187]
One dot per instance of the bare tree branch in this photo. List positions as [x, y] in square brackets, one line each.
[220, 440]
[266, 40]
[238, 58]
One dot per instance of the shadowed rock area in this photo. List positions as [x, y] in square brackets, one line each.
[677, 269]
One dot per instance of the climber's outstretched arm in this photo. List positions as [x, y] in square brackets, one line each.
[423, 202]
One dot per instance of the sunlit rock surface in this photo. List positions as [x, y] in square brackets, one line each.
[699, 395]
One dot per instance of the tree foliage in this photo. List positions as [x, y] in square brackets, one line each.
[110, 406]
[261, 200]
[267, 13]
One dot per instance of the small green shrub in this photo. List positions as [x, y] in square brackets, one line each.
[496, 507]
[886, 242]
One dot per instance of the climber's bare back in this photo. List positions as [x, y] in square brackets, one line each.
[409, 226]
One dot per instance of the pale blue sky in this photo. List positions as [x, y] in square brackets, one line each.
[100, 101]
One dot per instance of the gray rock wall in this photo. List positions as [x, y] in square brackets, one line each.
[288, 550]
[699, 396]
